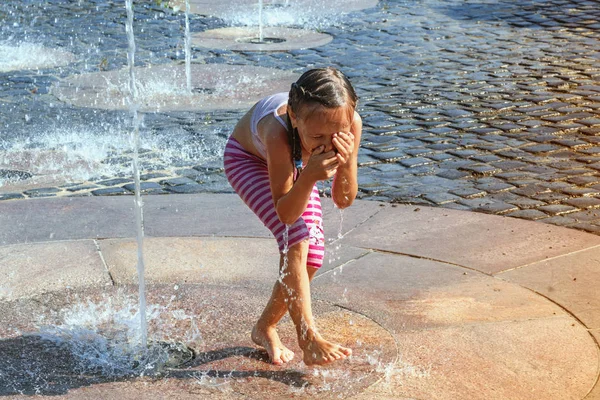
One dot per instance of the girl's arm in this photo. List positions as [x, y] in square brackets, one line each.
[291, 198]
[345, 182]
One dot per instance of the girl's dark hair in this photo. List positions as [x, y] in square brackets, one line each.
[322, 86]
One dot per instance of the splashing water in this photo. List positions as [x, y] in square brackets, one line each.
[260, 21]
[84, 153]
[29, 55]
[317, 15]
[104, 337]
[188, 49]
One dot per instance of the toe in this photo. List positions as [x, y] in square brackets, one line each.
[287, 355]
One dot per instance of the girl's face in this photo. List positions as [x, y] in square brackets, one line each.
[316, 125]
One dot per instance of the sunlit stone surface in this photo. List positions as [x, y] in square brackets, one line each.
[246, 39]
[81, 341]
[162, 88]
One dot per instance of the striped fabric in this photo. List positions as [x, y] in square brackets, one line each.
[249, 177]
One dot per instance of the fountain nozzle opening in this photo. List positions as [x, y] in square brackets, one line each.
[257, 40]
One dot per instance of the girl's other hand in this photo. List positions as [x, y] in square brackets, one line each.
[344, 144]
[321, 166]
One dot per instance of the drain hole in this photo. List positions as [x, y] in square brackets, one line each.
[265, 40]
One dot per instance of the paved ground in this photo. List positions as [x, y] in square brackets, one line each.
[437, 304]
[489, 106]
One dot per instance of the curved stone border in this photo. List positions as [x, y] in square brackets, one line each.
[239, 39]
[162, 88]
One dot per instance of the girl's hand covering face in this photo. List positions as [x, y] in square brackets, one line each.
[321, 165]
[344, 144]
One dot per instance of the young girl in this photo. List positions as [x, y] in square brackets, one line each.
[273, 160]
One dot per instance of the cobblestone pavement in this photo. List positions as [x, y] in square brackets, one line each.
[490, 106]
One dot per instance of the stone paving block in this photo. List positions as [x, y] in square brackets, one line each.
[586, 226]
[494, 187]
[440, 198]
[496, 207]
[532, 215]
[389, 156]
[590, 215]
[542, 148]
[415, 162]
[113, 191]
[144, 186]
[480, 169]
[522, 202]
[11, 196]
[557, 209]
[468, 192]
[177, 181]
[37, 268]
[583, 202]
[584, 180]
[114, 182]
[452, 174]
[42, 192]
[577, 191]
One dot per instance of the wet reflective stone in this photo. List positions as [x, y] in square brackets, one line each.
[113, 191]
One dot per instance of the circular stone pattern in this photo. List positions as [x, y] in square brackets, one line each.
[247, 39]
[300, 10]
[214, 320]
[163, 87]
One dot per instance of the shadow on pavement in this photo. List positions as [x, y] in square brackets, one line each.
[32, 365]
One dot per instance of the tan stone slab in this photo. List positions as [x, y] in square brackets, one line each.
[407, 293]
[241, 261]
[538, 359]
[30, 269]
[36, 220]
[571, 281]
[463, 334]
[484, 242]
[247, 39]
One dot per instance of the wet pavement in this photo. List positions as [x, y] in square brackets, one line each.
[479, 105]
[508, 312]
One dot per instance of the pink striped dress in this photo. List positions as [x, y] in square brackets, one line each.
[249, 177]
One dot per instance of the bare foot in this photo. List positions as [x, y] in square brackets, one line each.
[319, 351]
[269, 339]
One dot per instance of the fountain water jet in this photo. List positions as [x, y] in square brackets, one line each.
[139, 218]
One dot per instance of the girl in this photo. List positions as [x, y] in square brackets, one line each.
[273, 160]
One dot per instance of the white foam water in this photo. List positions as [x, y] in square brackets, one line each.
[317, 14]
[30, 55]
[83, 153]
[104, 336]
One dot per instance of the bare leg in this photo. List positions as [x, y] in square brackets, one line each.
[264, 332]
[296, 288]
